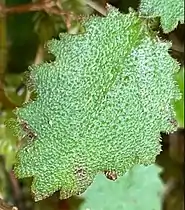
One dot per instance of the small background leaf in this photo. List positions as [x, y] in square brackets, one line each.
[8, 142]
[179, 105]
[138, 189]
[14, 88]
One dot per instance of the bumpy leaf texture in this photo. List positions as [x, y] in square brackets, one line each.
[140, 188]
[100, 105]
[171, 12]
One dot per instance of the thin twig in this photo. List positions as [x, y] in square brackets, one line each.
[5, 206]
[47, 5]
[96, 7]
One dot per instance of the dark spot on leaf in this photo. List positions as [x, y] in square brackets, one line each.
[174, 122]
[111, 175]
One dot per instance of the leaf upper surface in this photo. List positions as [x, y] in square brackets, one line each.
[171, 12]
[101, 105]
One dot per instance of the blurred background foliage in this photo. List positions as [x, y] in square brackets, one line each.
[24, 29]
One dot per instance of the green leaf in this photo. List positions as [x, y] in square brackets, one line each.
[47, 25]
[76, 6]
[140, 188]
[15, 94]
[8, 142]
[100, 106]
[171, 12]
[179, 105]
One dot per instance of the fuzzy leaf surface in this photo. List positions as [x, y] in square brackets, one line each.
[100, 106]
[171, 12]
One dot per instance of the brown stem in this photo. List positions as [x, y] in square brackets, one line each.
[17, 193]
[4, 101]
[96, 6]
[45, 5]
[49, 6]
[5, 206]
